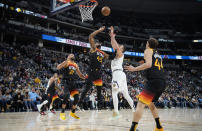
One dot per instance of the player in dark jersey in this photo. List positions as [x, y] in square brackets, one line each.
[95, 66]
[70, 72]
[155, 84]
[51, 95]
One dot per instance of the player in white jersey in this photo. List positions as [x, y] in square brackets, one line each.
[119, 82]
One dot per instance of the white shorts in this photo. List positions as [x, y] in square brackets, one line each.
[119, 82]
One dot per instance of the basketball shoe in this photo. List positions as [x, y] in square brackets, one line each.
[53, 111]
[115, 116]
[74, 115]
[156, 129]
[62, 116]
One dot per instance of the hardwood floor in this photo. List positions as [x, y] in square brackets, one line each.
[172, 120]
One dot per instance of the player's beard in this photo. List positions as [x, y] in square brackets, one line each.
[72, 59]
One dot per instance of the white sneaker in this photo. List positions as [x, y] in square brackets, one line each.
[115, 116]
[99, 111]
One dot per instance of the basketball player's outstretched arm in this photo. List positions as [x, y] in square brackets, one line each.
[79, 73]
[146, 65]
[92, 35]
[64, 63]
[114, 43]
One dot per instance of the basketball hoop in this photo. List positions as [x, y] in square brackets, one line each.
[86, 10]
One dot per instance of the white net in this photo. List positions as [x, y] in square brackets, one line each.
[86, 10]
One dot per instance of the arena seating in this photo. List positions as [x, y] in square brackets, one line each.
[24, 67]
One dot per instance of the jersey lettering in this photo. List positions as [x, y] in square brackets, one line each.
[71, 70]
[96, 60]
[156, 71]
[158, 64]
[99, 58]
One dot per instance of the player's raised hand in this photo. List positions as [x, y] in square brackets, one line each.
[129, 68]
[101, 28]
[112, 34]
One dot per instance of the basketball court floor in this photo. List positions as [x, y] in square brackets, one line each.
[172, 120]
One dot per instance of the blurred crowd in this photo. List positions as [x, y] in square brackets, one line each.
[25, 70]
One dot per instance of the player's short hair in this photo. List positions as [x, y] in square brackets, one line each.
[153, 43]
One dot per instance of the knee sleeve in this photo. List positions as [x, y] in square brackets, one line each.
[76, 99]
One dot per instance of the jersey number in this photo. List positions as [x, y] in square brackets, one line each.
[99, 58]
[158, 64]
[71, 72]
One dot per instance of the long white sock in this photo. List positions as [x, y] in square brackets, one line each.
[115, 100]
[44, 102]
[51, 106]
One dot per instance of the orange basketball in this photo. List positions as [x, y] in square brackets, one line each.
[106, 11]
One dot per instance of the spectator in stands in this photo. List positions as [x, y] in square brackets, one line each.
[121, 101]
[1, 102]
[18, 102]
[27, 100]
[106, 100]
[25, 71]
[7, 101]
[194, 101]
[190, 104]
[33, 97]
[184, 102]
[92, 100]
[166, 101]
[200, 102]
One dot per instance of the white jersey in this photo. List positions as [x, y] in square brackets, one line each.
[119, 83]
[117, 64]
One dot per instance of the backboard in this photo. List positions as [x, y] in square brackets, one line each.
[58, 6]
